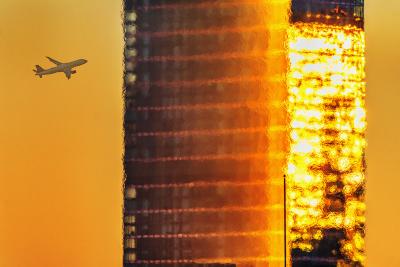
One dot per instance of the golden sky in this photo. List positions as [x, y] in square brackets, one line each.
[61, 140]
[383, 153]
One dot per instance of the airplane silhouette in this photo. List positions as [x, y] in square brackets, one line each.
[67, 68]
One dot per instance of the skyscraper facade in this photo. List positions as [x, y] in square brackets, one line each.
[326, 103]
[205, 132]
[222, 99]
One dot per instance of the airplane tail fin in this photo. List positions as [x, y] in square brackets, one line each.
[37, 70]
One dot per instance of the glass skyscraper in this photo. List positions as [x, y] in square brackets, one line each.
[224, 98]
[326, 103]
[204, 132]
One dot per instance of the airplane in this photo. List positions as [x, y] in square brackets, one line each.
[67, 68]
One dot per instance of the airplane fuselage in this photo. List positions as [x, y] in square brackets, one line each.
[67, 68]
[63, 67]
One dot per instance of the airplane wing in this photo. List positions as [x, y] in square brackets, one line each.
[68, 73]
[54, 61]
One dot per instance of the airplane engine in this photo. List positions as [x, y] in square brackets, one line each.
[73, 71]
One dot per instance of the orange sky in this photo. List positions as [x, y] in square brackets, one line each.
[383, 153]
[61, 140]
